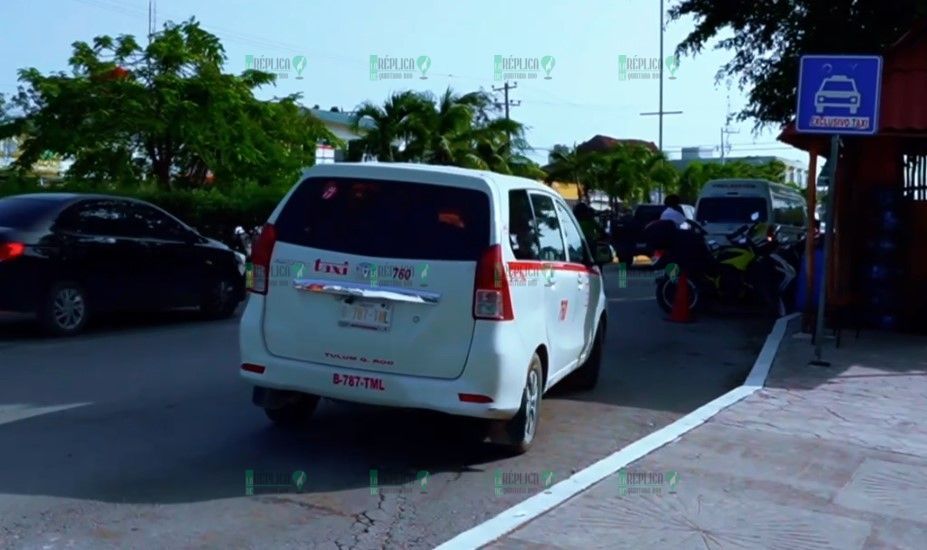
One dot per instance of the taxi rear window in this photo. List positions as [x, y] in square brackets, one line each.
[387, 219]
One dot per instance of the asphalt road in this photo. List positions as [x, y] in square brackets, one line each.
[139, 433]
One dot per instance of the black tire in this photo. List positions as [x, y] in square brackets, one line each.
[295, 413]
[586, 376]
[519, 433]
[220, 298]
[64, 311]
[666, 293]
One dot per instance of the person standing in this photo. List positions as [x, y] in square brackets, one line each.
[673, 212]
[587, 222]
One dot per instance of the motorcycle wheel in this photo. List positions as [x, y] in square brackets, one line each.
[666, 295]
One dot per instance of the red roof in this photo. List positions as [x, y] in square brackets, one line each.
[601, 143]
[902, 108]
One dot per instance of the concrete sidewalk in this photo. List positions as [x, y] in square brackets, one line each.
[820, 458]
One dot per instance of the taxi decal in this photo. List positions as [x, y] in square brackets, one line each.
[391, 272]
[359, 359]
[332, 268]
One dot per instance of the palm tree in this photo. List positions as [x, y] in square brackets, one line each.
[568, 165]
[395, 122]
[663, 174]
[451, 129]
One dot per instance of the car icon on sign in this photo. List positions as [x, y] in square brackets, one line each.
[837, 91]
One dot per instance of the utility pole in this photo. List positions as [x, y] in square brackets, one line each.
[152, 19]
[726, 130]
[505, 89]
[508, 103]
[662, 62]
[661, 112]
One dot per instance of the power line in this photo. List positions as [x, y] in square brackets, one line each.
[508, 103]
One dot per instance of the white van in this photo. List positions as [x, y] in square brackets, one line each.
[416, 286]
[725, 205]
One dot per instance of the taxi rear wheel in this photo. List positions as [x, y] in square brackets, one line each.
[519, 433]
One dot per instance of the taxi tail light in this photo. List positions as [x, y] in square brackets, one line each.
[474, 398]
[8, 251]
[261, 253]
[492, 299]
[258, 369]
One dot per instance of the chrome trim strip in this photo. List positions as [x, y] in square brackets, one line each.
[365, 290]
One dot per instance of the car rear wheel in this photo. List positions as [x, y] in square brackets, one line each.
[295, 413]
[220, 299]
[64, 311]
[518, 434]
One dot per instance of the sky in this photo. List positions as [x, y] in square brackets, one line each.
[584, 95]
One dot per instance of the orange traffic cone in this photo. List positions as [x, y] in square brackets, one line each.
[680, 312]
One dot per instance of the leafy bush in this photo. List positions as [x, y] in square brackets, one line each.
[212, 212]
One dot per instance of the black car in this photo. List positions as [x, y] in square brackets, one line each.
[627, 232]
[66, 256]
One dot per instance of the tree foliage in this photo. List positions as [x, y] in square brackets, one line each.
[164, 111]
[629, 173]
[771, 35]
[449, 129]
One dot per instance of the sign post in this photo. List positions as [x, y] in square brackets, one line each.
[837, 95]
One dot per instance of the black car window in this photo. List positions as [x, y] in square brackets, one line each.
[549, 237]
[24, 212]
[781, 211]
[95, 217]
[147, 222]
[523, 232]
[645, 214]
[387, 219]
[797, 212]
[576, 247]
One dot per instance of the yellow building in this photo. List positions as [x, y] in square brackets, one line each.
[569, 191]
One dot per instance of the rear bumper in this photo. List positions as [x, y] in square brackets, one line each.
[20, 288]
[489, 372]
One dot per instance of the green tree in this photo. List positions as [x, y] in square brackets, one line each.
[392, 124]
[567, 165]
[166, 111]
[631, 173]
[451, 129]
[768, 40]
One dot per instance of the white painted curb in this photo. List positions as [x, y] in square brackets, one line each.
[524, 512]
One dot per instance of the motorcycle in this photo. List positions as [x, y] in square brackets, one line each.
[244, 239]
[750, 267]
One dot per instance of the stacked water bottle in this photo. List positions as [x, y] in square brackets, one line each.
[883, 263]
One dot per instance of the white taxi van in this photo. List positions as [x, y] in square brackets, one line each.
[417, 286]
